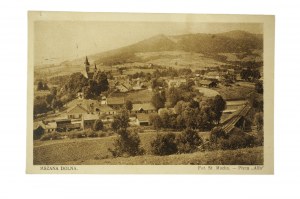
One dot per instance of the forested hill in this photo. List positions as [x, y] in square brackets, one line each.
[228, 42]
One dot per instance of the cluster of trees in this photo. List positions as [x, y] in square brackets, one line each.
[192, 114]
[250, 74]
[235, 140]
[127, 142]
[171, 72]
[43, 104]
[171, 96]
[187, 141]
[91, 88]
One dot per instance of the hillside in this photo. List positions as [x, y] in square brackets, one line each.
[204, 44]
[94, 151]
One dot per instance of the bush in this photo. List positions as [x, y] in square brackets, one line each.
[188, 141]
[91, 134]
[50, 136]
[98, 125]
[127, 144]
[236, 141]
[73, 135]
[216, 134]
[164, 144]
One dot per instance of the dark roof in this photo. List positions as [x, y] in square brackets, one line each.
[230, 122]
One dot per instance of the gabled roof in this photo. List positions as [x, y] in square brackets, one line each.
[84, 103]
[77, 109]
[104, 108]
[115, 100]
[144, 106]
[142, 117]
[90, 117]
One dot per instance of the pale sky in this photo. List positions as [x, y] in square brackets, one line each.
[69, 40]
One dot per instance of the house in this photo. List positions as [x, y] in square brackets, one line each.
[89, 120]
[76, 112]
[207, 83]
[88, 106]
[143, 119]
[61, 124]
[115, 102]
[107, 110]
[143, 108]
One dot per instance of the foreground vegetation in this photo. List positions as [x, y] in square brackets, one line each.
[91, 151]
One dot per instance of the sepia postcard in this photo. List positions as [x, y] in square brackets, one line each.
[136, 93]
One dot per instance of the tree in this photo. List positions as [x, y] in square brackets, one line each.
[168, 119]
[218, 106]
[164, 144]
[156, 121]
[188, 141]
[40, 106]
[173, 95]
[40, 86]
[128, 105]
[121, 121]
[216, 134]
[190, 117]
[102, 82]
[75, 83]
[158, 100]
[259, 121]
[98, 125]
[127, 143]
[259, 87]
[87, 92]
[56, 104]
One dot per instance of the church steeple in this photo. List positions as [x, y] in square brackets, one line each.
[86, 61]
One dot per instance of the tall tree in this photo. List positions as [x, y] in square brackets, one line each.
[218, 105]
[128, 105]
[158, 100]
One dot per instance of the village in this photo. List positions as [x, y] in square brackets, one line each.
[134, 92]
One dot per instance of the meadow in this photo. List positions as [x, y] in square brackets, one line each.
[94, 151]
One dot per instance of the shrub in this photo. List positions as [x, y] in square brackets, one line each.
[101, 134]
[91, 134]
[236, 141]
[73, 135]
[50, 136]
[216, 134]
[98, 125]
[188, 141]
[164, 144]
[127, 144]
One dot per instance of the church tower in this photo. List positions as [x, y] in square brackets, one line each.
[88, 70]
[87, 64]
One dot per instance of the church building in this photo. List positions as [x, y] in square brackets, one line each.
[89, 71]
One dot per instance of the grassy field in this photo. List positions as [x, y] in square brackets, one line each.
[234, 92]
[90, 151]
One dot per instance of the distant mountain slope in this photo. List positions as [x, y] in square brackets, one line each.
[207, 44]
[229, 42]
